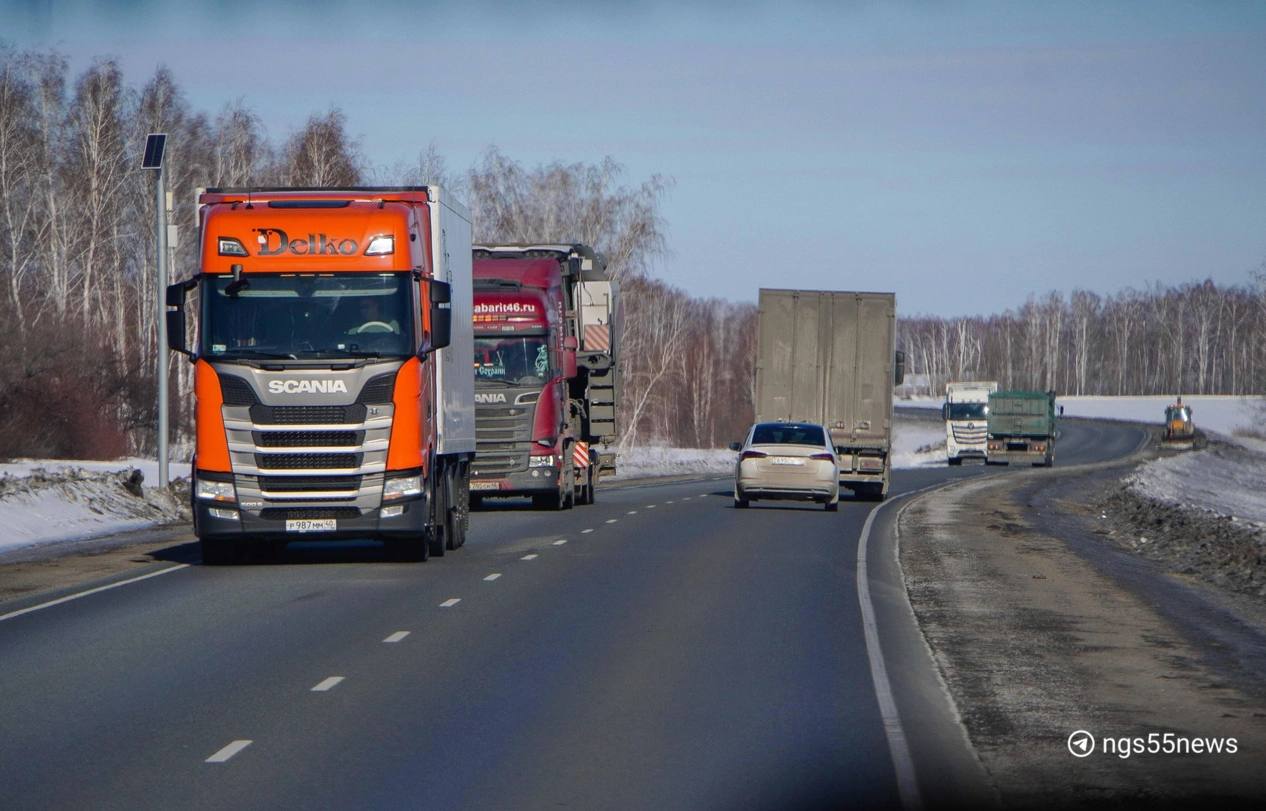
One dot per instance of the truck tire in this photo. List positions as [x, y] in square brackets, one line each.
[220, 551]
[459, 513]
[832, 506]
[437, 539]
[956, 462]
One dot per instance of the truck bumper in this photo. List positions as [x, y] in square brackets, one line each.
[410, 523]
[517, 483]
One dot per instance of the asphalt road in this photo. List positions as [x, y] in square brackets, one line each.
[657, 650]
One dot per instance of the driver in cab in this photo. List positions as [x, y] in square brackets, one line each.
[370, 318]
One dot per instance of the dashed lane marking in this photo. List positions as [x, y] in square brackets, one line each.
[228, 751]
[492, 576]
[631, 512]
[650, 506]
[586, 531]
[326, 685]
[529, 557]
[560, 542]
[397, 636]
[450, 602]
[612, 520]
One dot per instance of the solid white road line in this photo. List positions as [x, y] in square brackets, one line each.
[492, 576]
[528, 557]
[326, 685]
[228, 751]
[585, 531]
[450, 602]
[898, 745]
[397, 636]
[612, 520]
[97, 590]
[560, 542]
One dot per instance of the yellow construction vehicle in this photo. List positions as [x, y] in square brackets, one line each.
[1180, 430]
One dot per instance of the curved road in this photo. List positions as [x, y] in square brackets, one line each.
[657, 650]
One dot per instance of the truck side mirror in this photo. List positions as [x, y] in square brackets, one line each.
[569, 356]
[945, 411]
[176, 318]
[900, 376]
[441, 296]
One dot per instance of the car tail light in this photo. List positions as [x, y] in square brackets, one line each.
[825, 457]
[752, 455]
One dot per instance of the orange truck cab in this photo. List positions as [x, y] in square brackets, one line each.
[546, 335]
[333, 386]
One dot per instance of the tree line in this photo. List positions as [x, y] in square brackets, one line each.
[77, 274]
[1194, 338]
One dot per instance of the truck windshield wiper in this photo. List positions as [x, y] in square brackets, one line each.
[255, 353]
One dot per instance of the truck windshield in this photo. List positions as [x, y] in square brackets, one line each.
[968, 411]
[308, 315]
[519, 359]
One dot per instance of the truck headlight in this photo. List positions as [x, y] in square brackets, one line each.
[541, 461]
[401, 487]
[211, 490]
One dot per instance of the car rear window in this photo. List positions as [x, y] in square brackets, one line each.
[788, 435]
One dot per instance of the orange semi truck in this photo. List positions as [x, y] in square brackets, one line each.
[333, 384]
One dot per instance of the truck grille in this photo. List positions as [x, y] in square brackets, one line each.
[492, 459]
[307, 461]
[307, 439]
[969, 435]
[311, 513]
[307, 484]
[307, 415]
[503, 423]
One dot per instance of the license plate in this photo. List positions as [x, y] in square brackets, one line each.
[485, 485]
[311, 525]
[787, 460]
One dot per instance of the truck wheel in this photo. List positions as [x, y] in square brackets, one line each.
[956, 462]
[220, 551]
[437, 539]
[832, 506]
[459, 517]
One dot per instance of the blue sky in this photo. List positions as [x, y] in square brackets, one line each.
[962, 154]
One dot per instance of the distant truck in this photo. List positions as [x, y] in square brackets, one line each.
[547, 336]
[830, 358]
[965, 412]
[1022, 428]
[332, 368]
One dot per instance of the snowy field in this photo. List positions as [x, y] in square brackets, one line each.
[1229, 417]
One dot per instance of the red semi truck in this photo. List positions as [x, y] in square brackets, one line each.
[334, 395]
[546, 375]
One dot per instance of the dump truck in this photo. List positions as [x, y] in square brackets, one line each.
[830, 357]
[332, 368]
[965, 413]
[1021, 428]
[546, 321]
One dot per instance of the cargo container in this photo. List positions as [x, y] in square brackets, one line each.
[1022, 428]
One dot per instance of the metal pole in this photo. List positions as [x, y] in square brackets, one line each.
[160, 317]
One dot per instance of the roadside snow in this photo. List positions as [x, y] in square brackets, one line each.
[918, 443]
[48, 501]
[1218, 414]
[1226, 480]
[658, 460]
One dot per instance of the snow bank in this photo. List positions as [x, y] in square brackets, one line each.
[918, 443]
[657, 460]
[1226, 480]
[47, 501]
